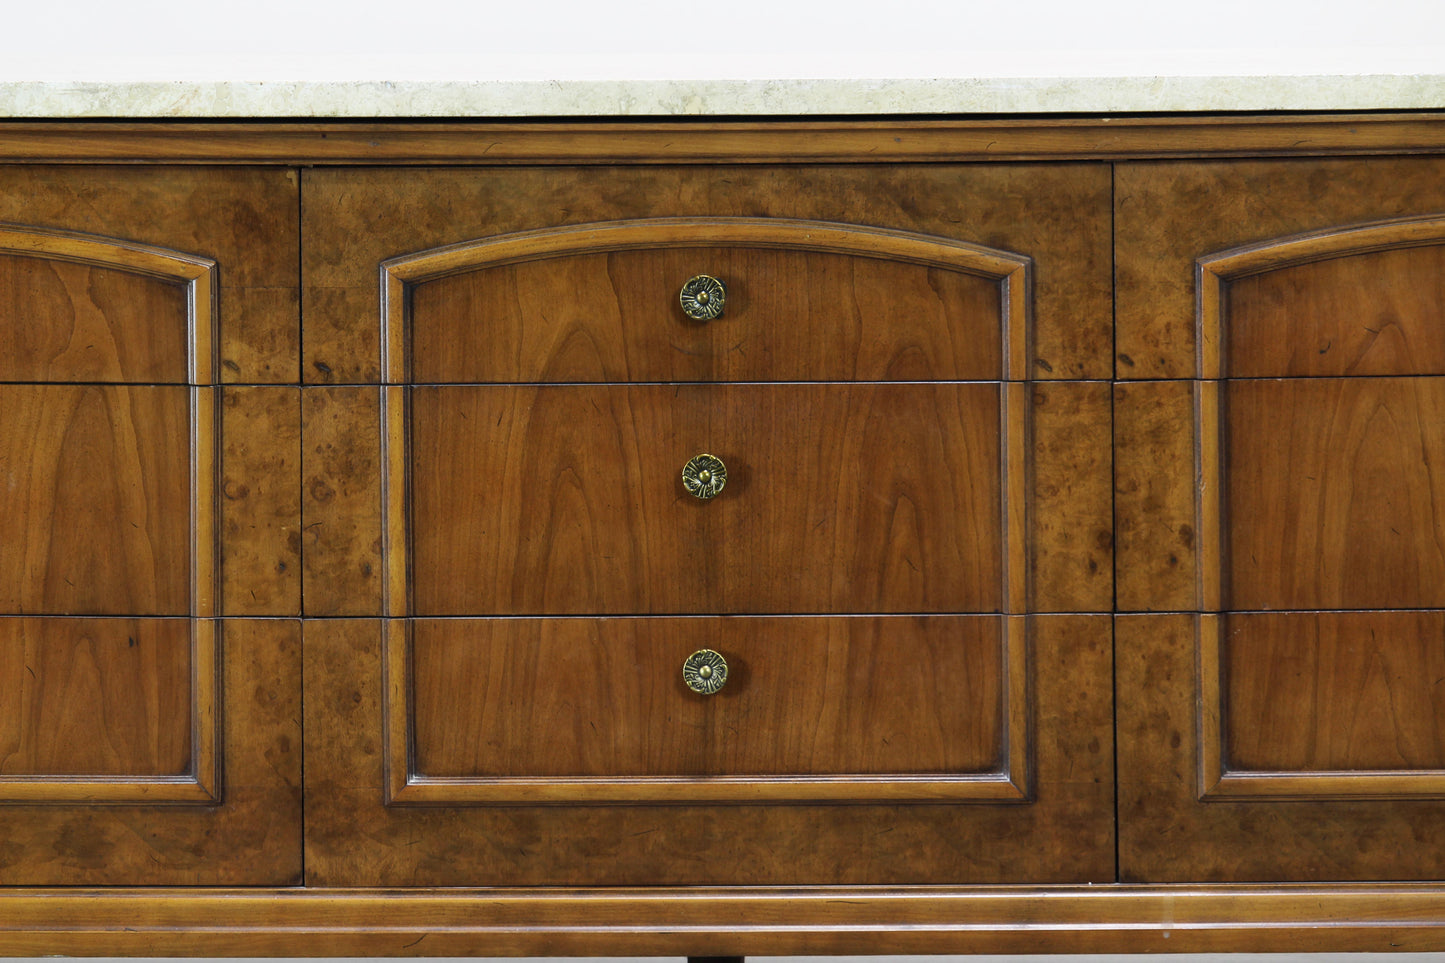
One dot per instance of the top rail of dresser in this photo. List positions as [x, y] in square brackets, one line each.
[870, 141]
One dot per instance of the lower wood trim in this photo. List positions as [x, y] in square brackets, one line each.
[738, 922]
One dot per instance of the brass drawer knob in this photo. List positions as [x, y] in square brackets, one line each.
[704, 475]
[705, 672]
[703, 298]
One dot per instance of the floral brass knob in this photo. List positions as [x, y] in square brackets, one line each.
[705, 672]
[703, 298]
[704, 475]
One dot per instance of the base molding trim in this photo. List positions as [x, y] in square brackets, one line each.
[1108, 918]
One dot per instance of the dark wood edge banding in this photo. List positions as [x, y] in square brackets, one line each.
[697, 921]
[684, 141]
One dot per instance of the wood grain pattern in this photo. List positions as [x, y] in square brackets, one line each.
[1057, 215]
[1071, 511]
[491, 704]
[1237, 839]
[870, 140]
[95, 697]
[806, 301]
[245, 220]
[1333, 500]
[1170, 213]
[1154, 496]
[341, 501]
[1065, 832]
[1358, 301]
[252, 837]
[261, 500]
[824, 920]
[1323, 705]
[840, 498]
[98, 501]
[76, 322]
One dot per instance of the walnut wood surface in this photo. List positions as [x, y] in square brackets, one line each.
[76, 322]
[95, 697]
[253, 837]
[1065, 832]
[1058, 215]
[673, 921]
[790, 314]
[1333, 498]
[840, 498]
[585, 697]
[1071, 509]
[1376, 313]
[1154, 496]
[246, 220]
[1237, 840]
[97, 515]
[869, 140]
[1170, 213]
[1321, 691]
[341, 501]
[261, 500]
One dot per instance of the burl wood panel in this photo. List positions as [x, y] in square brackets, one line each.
[1170, 213]
[245, 219]
[1064, 833]
[1154, 507]
[1071, 517]
[789, 316]
[1320, 691]
[1058, 215]
[1333, 495]
[261, 500]
[840, 498]
[1381, 313]
[61, 321]
[803, 696]
[252, 838]
[1166, 834]
[95, 697]
[97, 504]
[341, 500]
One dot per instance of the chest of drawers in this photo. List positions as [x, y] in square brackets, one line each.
[1071, 585]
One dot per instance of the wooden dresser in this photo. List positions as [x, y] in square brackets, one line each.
[723, 538]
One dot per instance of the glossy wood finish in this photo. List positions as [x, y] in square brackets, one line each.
[1169, 214]
[244, 220]
[341, 501]
[252, 836]
[867, 140]
[1057, 215]
[806, 301]
[840, 498]
[1239, 839]
[98, 697]
[260, 500]
[1332, 497]
[826, 710]
[99, 509]
[818, 920]
[1066, 832]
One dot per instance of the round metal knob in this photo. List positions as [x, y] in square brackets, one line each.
[704, 475]
[703, 298]
[705, 672]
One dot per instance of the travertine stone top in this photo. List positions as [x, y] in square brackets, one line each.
[717, 98]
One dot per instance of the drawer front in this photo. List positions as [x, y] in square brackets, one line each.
[839, 498]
